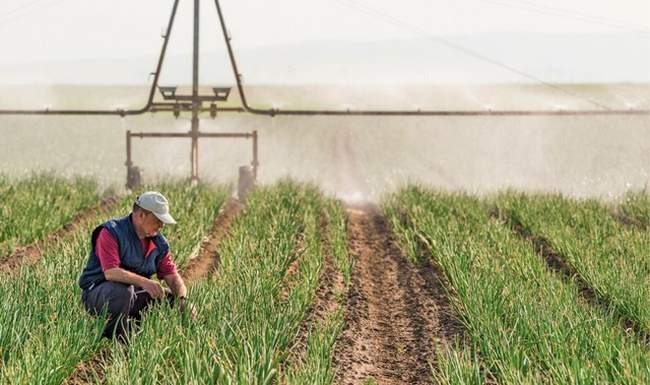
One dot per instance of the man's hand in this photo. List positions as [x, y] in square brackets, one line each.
[118, 274]
[187, 308]
[154, 289]
[176, 284]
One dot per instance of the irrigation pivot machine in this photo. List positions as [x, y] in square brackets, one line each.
[197, 104]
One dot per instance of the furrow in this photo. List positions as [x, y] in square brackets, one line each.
[29, 255]
[390, 320]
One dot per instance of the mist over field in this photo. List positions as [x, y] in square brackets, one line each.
[356, 158]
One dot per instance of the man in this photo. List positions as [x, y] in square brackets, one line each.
[124, 255]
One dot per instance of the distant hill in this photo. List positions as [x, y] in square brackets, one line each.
[612, 58]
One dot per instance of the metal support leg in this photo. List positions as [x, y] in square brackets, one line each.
[128, 150]
[133, 177]
[196, 103]
[194, 156]
[255, 163]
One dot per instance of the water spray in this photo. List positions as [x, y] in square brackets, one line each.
[197, 104]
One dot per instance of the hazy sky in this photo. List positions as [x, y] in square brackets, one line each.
[65, 30]
[41, 29]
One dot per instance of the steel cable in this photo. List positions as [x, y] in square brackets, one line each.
[564, 12]
[368, 10]
[16, 13]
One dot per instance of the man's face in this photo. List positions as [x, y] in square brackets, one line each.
[150, 223]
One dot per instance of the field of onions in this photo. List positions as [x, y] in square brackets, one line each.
[251, 308]
[44, 330]
[524, 323]
[535, 289]
[35, 206]
[611, 258]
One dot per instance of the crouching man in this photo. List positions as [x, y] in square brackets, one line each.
[124, 255]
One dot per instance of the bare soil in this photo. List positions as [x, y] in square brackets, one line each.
[208, 257]
[631, 222]
[28, 255]
[397, 312]
[88, 372]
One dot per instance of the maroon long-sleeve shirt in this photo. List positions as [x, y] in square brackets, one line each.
[106, 249]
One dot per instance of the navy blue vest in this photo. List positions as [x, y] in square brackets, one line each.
[130, 251]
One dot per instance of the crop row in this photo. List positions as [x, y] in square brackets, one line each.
[249, 311]
[610, 257]
[46, 334]
[315, 365]
[44, 331]
[525, 324]
[635, 209]
[32, 207]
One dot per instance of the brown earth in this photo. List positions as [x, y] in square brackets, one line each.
[28, 255]
[631, 222]
[206, 260]
[397, 312]
[208, 257]
[90, 371]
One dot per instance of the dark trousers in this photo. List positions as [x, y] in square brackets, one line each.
[123, 303]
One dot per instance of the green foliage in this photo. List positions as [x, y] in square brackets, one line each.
[44, 331]
[31, 208]
[525, 323]
[337, 233]
[610, 257]
[458, 366]
[635, 208]
[316, 366]
[249, 312]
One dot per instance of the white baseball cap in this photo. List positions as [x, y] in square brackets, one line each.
[156, 203]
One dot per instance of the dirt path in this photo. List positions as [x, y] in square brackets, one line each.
[90, 371]
[207, 259]
[630, 222]
[28, 255]
[396, 311]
